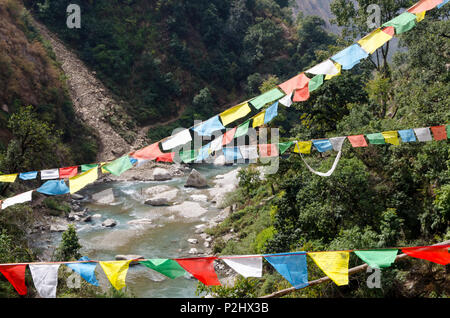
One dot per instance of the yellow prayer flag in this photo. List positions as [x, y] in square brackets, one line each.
[235, 113]
[303, 147]
[8, 177]
[391, 137]
[420, 16]
[258, 120]
[116, 271]
[333, 264]
[339, 67]
[83, 179]
[371, 42]
[103, 169]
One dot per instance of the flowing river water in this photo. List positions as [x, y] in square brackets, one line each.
[165, 237]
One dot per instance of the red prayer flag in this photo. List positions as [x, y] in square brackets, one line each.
[268, 150]
[437, 254]
[68, 172]
[15, 274]
[148, 153]
[389, 30]
[228, 136]
[424, 5]
[297, 82]
[439, 132]
[301, 94]
[357, 141]
[201, 268]
[166, 157]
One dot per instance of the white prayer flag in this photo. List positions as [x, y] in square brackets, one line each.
[49, 174]
[45, 278]
[216, 144]
[178, 139]
[20, 198]
[249, 152]
[326, 67]
[246, 265]
[423, 134]
[286, 100]
[337, 142]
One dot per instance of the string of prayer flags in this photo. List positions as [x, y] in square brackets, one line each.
[439, 132]
[303, 147]
[249, 152]
[54, 187]
[68, 172]
[437, 254]
[8, 177]
[322, 145]
[350, 56]
[268, 150]
[315, 82]
[292, 266]
[407, 135]
[271, 112]
[258, 119]
[403, 22]
[119, 166]
[167, 267]
[423, 134]
[266, 98]
[286, 100]
[15, 274]
[371, 42]
[376, 139]
[229, 136]
[391, 137]
[424, 5]
[333, 264]
[338, 67]
[17, 199]
[116, 271]
[283, 146]
[87, 167]
[49, 174]
[206, 128]
[337, 142]
[85, 270]
[326, 67]
[178, 139]
[242, 129]
[297, 82]
[330, 171]
[201, 268]
[246, 265]
[378, 258]
[28, 175]
[83, 179]
[357, 141]
[45, 279]
[234, 113]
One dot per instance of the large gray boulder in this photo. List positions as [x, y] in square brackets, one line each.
[104, 197]
[196, 180]
[161, 174]
[158, 202]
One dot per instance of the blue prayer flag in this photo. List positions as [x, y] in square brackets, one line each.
[28, 175]
[441, 4]
[133, 160]
[322, 145]
[292, 266]
[206, 128]
[85, 270]
[54, 187]
[271, 112]
[203, 154]
[231, 154]
[407, 135]
[350, 56]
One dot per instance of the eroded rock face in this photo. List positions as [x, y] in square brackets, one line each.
[196, 180]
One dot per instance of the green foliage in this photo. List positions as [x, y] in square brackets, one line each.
[69, 248]
[241, 288]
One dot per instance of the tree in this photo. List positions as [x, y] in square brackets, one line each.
[69, 248]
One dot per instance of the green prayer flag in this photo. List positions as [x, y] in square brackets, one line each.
[448, 131]
[188, 156]
[88, 167]
[167, 267]
[267, 97]
[119, 166]
[378, 258]
[283, 146]
[402, 23]
[376, 139]
[242, 129]
[315, 82]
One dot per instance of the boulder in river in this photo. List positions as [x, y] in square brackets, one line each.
[76, 196]
[161, 174]
[109, 223]
[104, 197]
[196, 180]
[158, 202]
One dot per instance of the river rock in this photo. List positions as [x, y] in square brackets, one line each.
[192, 241]
[193, 251]
[97, 216]
[134, 258]
[104, 197]
[219, 160]
[196, 180]
[161, 174]
[157, 202]
[199, 198]
[58, 228]
[188, 209]
[140, 222]
[76, 196]
[87, 219]
[109, 223]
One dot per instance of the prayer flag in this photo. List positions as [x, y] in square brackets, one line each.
[268, 150]
[150, 152]
[206, 128]
[286, 100]
[28, 175]
[54, 187]
[423, 134]
[231, 154]
[258, 119]
[407, 135]
[420, 16]
[448, 131]
[325, 68]
[333, 264]
[249, 152]
[443, 3]
[292, 266]
[8, 177]
[437, 254]
[85, 270]
[350, 56]
[378, 258]
[166, 157]
[68, 172]
[267, 97]
[203, 153]
[201, 268]
[217, 143]
[88, 167]
[337, 142]
[234, 113]
[389, 30]
[119, 166]
[45, 278]
[20, 198]
[228, 136]
[188, 156]
[116, 271]
[322, 145]
[338, 67]
[301, 94]
[246, 265]
[167, 267]
[403, 22]
[271, 112]
[242, 129]
[391, 137]
[371, 42]
[303, 147]
[376, 139]
[296, 82]
[178, 139]
[424, 5]
[80, 181]
[283, 146]
[439, 132]
[315, 82]
[15, 274]
[103, 169]
[49, 174]
[357, 141]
